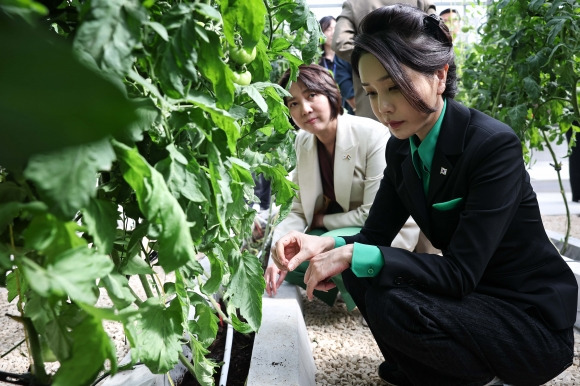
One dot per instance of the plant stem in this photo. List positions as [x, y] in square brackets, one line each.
[499, 91]
[138, 300]
[558, 167]
[267, 235]
[187, 363]
[36, 351]
[269, 11]
[146, 287]
[219, 310]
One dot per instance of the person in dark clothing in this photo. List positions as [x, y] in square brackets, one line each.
[574, 163]
[343, 77]
[263, 190]
[500, 303]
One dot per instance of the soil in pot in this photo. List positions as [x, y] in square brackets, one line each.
[240, 358]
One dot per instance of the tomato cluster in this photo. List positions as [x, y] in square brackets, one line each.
[242, 56]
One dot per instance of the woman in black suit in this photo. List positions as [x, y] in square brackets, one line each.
[499, 304]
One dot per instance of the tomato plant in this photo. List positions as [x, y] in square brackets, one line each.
[128, 150]
[529, 76]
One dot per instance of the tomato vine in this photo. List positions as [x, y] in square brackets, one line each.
[529, 76]
[129, 149]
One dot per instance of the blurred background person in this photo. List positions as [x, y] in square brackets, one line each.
[343, 77]
[327, 24]
[340, 69]
[452, 20]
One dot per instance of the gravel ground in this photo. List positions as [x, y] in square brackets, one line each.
[346, 354]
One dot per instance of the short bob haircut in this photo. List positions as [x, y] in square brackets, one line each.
[402, 35]
[319, 80]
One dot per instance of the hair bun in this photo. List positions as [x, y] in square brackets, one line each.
[432, 26]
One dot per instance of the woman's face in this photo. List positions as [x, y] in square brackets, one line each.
[328, 32]
[389, 104]
[309, 109]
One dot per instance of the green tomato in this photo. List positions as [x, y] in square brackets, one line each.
[242, 55]
[242, 78]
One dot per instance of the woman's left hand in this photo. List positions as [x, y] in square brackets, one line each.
[324, 266]
[296, 247]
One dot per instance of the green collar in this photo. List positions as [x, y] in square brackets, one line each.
[426, 149]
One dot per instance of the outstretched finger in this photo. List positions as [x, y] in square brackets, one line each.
[280, 280]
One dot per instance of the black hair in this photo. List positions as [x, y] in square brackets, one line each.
[324, 24]
[318, 79]
[400, 35]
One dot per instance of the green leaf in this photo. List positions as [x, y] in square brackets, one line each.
[101, 216]
[73, 272]
[77, 105]
[220, 180]
[67, 178]
[10, 191]
[159, 334]
[118, 290]
[517, 116]
[254, 93]
[135, 265]
[11, 210]
[229, 127]
[285, 189]
[51, 236]
[216, 71]
[238, 325]
[110, 33]
[184, 178]
[205, 322]
[28, 9]
[91, 347]
[159, 207]
[532, 88]
[147, 116]
[159, 29]
[209, 11]
[58, 339]
[217, 267]
[203, 368]
[245, 17]
[246, 287]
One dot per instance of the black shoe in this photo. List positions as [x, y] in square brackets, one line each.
[391, 374]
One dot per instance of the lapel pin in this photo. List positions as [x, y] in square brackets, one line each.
[443, 171]
[346, 157]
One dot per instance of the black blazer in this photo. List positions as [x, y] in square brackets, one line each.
[486, 221]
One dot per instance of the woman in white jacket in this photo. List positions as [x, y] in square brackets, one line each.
[340, 161]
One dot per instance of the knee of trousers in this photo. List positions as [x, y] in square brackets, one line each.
[395, 309]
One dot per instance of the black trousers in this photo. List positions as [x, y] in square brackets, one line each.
[436, 340]
[574, 165]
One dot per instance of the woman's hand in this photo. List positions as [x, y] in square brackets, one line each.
[274, 278]
[324, 266]
[296, 247]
